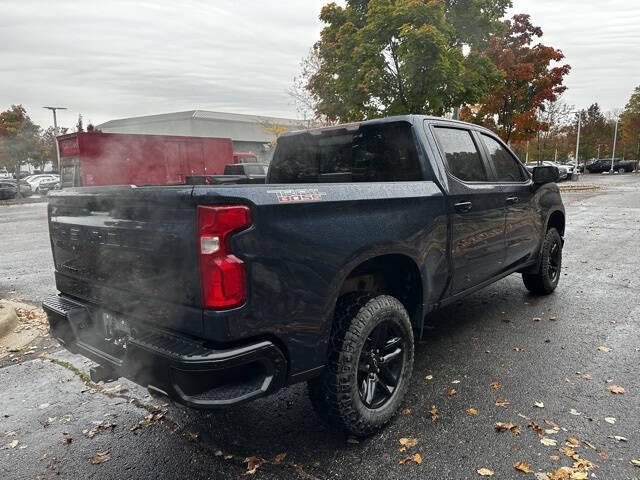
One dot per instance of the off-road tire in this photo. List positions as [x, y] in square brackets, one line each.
[334, 395]
[542, 282]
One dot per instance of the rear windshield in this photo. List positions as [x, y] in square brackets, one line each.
[379, 153]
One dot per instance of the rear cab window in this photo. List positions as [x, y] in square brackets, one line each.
[461, 154]
[507, 168]
[371, 153]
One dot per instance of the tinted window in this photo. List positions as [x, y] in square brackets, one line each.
[507, 168]
[461, 154]
[380, 153]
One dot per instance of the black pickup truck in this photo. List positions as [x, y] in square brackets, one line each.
[219, 294]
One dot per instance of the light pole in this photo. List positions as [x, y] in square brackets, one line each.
[578, 142]
[613, 152]
[55, 133]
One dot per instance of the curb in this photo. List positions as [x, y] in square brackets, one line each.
[8, 318]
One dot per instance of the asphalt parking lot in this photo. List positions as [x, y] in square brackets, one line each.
[546, 364]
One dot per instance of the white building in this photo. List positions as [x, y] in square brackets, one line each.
[250, 133]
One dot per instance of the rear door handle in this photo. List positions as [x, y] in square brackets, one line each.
[511, 200]
[463, 207]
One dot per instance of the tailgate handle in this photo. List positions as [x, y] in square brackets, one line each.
[512, 200]
[463, 207]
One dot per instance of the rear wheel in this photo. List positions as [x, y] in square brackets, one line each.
[621, 170]
[545, 280]
[369, 366]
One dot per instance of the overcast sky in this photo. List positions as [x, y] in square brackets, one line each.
[110, 59]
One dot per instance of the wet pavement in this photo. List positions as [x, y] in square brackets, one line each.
[563, 352]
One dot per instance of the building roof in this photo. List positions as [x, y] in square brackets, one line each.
[204, 123]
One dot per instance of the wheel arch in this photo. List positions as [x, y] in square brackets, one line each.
[556, 219]
[395, 274]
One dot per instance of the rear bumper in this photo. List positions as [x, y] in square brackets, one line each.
[186, 369]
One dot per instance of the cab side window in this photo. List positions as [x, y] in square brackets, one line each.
[507, 168]
[461, 154]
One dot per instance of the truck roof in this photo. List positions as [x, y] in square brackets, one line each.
[412, 119]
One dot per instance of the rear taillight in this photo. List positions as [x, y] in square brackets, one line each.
[223, 276]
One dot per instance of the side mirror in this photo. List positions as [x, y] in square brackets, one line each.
[545, 174]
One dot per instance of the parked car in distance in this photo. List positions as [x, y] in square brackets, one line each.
[36, 180]
[220, 294]
[46, 186]
[562, 169]
[25, 188]
[7, 190]
[604, 165]
[4, 174]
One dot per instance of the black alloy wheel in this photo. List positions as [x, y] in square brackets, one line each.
[381, 361]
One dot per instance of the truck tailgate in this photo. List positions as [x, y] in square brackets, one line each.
[130, 250]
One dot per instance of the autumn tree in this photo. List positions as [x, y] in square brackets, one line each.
[386, 57]
[529, 78]
[630, 122]
[19, 138]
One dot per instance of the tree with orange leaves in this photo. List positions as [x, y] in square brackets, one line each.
[529, 78]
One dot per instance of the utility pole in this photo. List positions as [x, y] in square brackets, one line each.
[613, 152]
[55, 133]
[578, 144]
[526, 159]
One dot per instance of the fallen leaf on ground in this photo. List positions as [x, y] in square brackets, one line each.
[485, 472]
[539, 404]
[501, 402]
[523, 467]
[573, 411]
[472, 411]
[66, 439]
[518, 349]
[408, 442]
[99, 427]
[562, 473]
[12, 444]
[455, 382]
[536, 428]
[635, 462]
[616, 390]
[434, 413]
[553, 318]
[414, 458]
[573, 441]
[549, 442]
[100, 457]
[406, 411]
[279, 458]
[495, 385]
[503, 427]
[618, 438]
[536, 319]
[451, 392]
[353, 440]
[587, 376]
[604, 348]
[429, 377]
[253, 464]
[611, 420]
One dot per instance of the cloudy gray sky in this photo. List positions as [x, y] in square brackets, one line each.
[111, 59]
